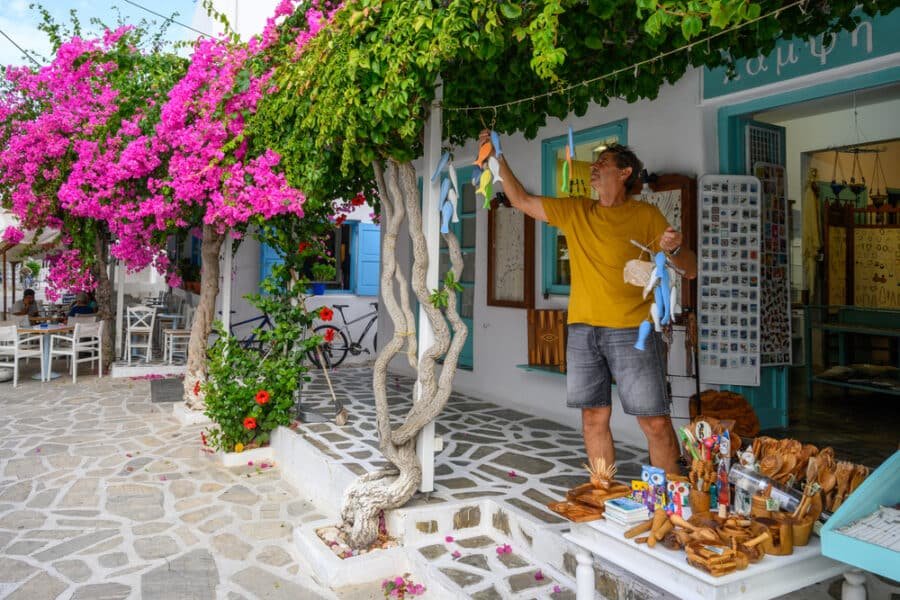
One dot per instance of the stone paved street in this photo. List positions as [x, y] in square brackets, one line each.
[104, 495]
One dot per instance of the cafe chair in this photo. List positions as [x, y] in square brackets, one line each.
[83, 344]
[82, 319]
[14, 347]
[139, 331]
[176, 340]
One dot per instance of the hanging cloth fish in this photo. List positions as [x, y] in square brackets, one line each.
[486, 187]
[568, 170]
[484, 152]
[445, 158]
[453, 194]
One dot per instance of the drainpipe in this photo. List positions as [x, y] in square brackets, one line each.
[120, 310]
[430, 223]
[4, 285]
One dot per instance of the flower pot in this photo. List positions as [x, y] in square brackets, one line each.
[318, 289]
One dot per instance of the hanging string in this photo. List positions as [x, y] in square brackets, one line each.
[633, 67]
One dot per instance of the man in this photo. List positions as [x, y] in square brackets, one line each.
[82, 305]
[26, 306]
[604, 311]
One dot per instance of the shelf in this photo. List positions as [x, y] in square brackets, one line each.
[856, 386]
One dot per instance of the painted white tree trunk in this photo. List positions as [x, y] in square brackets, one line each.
[203, 318]
[390, 488]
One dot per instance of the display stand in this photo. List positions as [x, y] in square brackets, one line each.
[881, 488]
[669, 570]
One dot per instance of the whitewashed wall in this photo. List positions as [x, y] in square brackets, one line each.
[667, 136]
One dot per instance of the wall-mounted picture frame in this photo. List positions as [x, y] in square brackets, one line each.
[510, 274]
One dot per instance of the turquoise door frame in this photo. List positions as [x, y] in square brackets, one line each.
[467, 279]
[770, 399]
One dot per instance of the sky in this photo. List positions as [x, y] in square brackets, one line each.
[20, 22]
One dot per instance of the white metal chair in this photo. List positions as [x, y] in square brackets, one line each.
[14, 347]
[74, 319]
[139, 331]
[176, 340]
[85, 339]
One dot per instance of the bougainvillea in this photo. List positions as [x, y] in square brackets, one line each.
[13, 235]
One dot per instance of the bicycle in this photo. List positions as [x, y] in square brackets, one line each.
[335, 351]
[251, 341]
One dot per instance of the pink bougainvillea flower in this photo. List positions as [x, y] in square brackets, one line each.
[557, 589]
[249, 463]
[504, 549]
[539, 576]
[456, 554]
[513, 474]
[448, 539]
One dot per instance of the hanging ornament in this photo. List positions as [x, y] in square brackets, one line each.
[445, 158]
[837, 188]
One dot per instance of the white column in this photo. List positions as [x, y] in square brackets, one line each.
[431, 229]
[226, 282]
[120, 310]
[584, 575]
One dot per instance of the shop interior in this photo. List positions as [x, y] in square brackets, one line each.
[842, 172]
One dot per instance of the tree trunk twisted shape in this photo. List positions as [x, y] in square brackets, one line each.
[392, 487]
[103, 295]
[203, 317]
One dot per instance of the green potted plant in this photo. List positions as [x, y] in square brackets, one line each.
[250, 390]
[321, 273]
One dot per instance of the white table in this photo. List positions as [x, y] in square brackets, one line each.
[669, 570]
[46, 374]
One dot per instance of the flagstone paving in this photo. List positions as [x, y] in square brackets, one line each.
[104, 495]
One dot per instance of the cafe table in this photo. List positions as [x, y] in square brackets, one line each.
[46, 330]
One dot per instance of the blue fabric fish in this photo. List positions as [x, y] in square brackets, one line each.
[446, 215]
[445, 158]
[495, 140]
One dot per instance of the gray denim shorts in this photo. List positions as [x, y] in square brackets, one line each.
[597, 355]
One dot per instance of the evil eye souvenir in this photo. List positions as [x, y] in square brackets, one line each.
[653, 475]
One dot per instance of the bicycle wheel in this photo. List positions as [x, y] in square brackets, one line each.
[333, 352]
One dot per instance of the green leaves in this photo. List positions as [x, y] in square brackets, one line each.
[440, 298]
[511, 10]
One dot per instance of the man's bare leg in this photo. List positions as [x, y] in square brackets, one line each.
[661, 442]
[598, 440]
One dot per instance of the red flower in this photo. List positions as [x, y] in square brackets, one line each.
[326, 314]
[329, 335]
[249, 423]
[303, 246]
[358, 200]
[197, 388]
[203, 437]
[340, 220]
[262, 397]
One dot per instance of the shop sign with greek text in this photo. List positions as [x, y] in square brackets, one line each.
[873, 37]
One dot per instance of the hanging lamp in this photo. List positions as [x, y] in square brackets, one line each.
[857, 187]
[879, 194]
[837, 188]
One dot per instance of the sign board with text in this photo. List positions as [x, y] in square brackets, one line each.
[872, 38]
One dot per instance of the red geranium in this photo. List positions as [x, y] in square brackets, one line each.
[326, 314]
[303, 246]
[249, 423]
[262, 397]
[197, 388]
[329, 335]
[358, 200]
[340, 220]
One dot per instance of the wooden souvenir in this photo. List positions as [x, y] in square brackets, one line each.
[575, 511]
[547, 338]
[781, 542]
[716, 559]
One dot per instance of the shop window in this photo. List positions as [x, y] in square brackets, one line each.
[589, 144]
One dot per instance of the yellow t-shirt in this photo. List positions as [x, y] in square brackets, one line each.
[599, 241]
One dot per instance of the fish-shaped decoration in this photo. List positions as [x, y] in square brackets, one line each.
[453, 199]
[483, 153]
[476, 176]
[446, 216]
[571, 142]
[445, 158]
[451, 170]
[486, 188]
[495, 140]
[494, 166]
[565, 177]
[445, 189]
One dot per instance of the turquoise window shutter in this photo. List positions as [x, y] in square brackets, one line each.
[368, 259]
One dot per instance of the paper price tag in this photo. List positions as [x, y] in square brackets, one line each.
[772, 504]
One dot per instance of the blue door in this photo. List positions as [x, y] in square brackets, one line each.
[754, 142]
[268, 258]
[366, 252]
[465, 233]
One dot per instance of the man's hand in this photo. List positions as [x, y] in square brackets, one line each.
[484, 137]
[671, 240]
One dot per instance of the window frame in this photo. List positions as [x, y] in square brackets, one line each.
[549, 233]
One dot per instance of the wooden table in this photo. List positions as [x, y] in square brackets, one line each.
[669, 570]
[46, 374]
